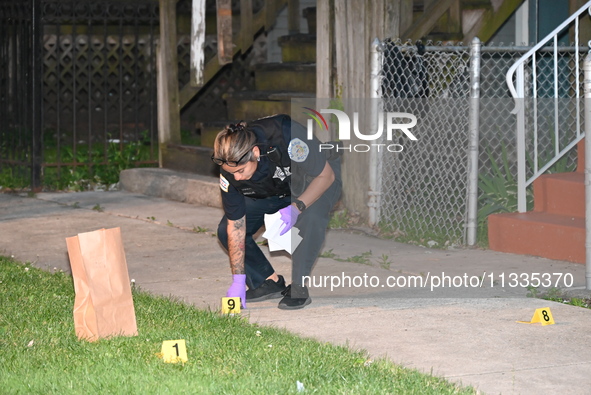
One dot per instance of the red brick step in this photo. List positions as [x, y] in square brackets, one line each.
[561, 193]
[538, 233]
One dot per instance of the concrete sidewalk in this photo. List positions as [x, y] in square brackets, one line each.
[458, 334]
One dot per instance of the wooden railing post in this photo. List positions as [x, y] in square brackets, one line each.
[246, 32]
[293, 15]
[324, 46]
[455, 17]
[224, 22]
[405, 17]
[270, 13]
[169, 129]
[197, 43]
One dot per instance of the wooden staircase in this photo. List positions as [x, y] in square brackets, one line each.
[241, 105]
[555, 228]
[276, 84]
[295, 77]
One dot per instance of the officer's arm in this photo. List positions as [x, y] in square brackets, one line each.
[318, 186]
[236, 244]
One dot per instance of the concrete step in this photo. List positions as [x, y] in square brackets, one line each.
[540, 234]
[560, 193]
[173, 185]
[248, 105]
[290, 77]
[298, 48]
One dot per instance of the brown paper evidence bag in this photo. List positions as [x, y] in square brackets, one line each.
[103, 306]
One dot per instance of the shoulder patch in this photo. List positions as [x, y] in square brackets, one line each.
[224, 184]
[298, 150]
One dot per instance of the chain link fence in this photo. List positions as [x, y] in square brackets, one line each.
[424, 188]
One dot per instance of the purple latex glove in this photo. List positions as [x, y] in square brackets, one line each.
[289, 216]
[238, 288]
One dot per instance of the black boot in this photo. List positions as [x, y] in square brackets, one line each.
[267, 290]
[295, 297]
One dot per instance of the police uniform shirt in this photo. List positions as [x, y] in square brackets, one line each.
[307, 162]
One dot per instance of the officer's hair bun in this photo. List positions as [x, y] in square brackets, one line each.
[236, 127]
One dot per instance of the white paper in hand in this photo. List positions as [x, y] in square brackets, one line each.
[288, 242]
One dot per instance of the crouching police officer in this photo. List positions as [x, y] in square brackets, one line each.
[269, 165]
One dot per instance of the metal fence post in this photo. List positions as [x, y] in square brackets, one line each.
[36, 97]
[587, 116]
[374, 160]
[473, 135]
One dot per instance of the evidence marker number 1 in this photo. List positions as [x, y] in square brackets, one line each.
[174, 351]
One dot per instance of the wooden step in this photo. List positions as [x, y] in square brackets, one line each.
[560, 193]
[476, 5]
[189, 159]
[298, 48]
[209, 131]
[249, 105]
[444, 37]
[540, 234]
[419, 6]
[294, 77]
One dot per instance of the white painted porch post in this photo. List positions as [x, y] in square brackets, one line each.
[197, 42]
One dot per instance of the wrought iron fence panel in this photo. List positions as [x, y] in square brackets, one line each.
[18, 127]
[97, 84]
[99, 81]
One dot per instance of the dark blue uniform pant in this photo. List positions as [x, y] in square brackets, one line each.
[312, 224]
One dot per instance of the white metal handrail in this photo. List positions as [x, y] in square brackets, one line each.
[517, 73]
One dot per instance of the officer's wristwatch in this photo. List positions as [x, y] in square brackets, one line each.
[300, 205]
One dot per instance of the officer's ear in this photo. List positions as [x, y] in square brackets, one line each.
[256, 151]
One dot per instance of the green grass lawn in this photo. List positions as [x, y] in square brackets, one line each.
[40, 354]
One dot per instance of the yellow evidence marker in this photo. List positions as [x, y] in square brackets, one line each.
[541, 316]
[231, 305]
[174, 351]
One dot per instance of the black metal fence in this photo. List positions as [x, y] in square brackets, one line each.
[77, 88]
[20, 89]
